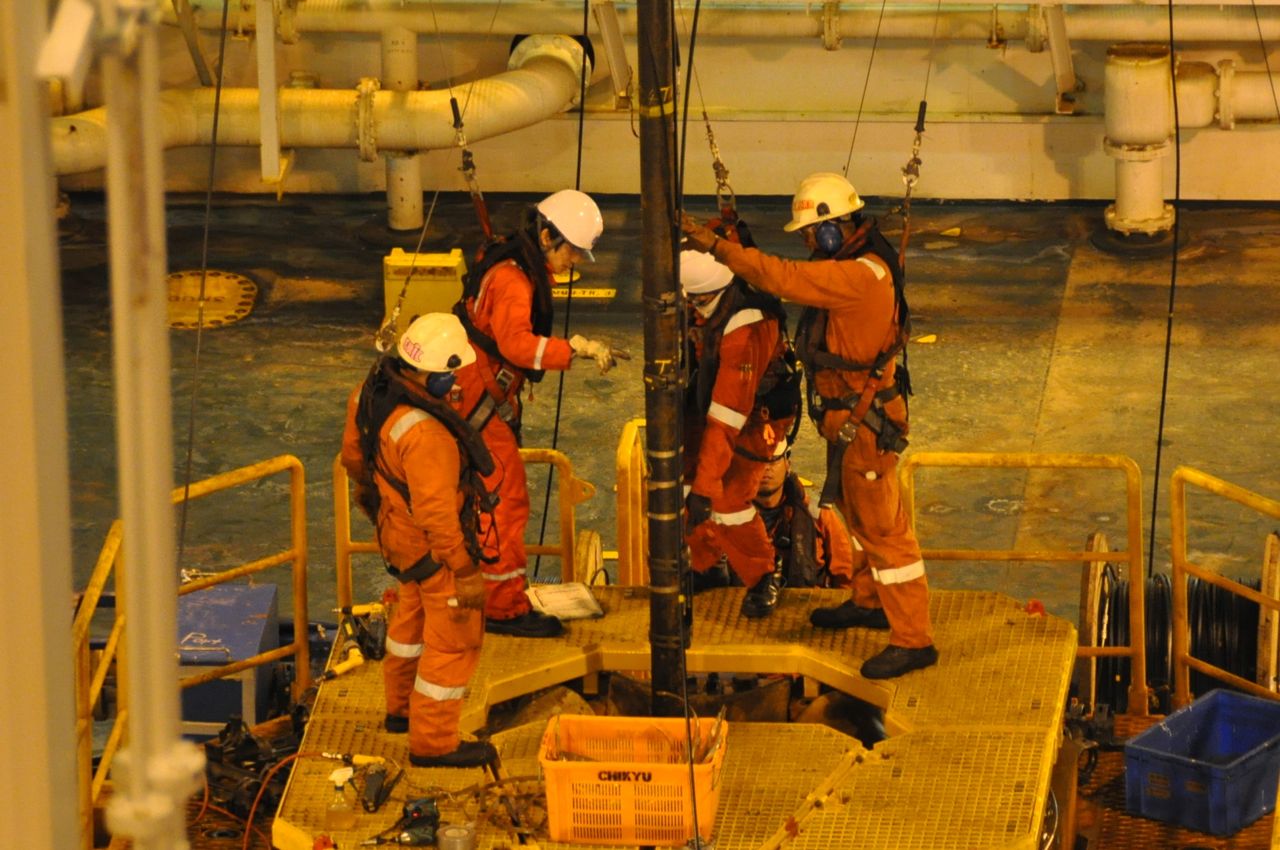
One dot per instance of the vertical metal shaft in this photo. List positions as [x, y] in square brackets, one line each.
[157, 770]
[662, 372]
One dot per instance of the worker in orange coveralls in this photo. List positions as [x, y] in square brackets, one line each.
[849, 339]
[507, 312]
[742, 397]
[417, 465]
[812, 544]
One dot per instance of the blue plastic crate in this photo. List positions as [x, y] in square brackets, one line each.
[1211, 766]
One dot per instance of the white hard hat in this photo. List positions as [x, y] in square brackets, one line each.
[701, 273]
[436, 342]
[576, 216]
[822, 196]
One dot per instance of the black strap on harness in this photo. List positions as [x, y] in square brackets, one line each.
[422, 569]
[384, 390]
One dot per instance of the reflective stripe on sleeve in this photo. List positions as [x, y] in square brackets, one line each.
[403, 650]
[542, 349]
[437, 692]
[741, 319]
[874, 266]
[741, 517]
[898, 575]
[404, 423]
[502, 576]
[727, 415]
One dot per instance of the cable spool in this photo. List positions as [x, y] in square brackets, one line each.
[1223, 626]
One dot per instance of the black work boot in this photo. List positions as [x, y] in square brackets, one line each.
[396, 724]
[531, 624]
[761, 599]
[847, 615]
[893, 661]
[468, 754]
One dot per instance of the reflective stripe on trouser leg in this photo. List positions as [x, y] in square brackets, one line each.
[505, 579]
[735, 529]
[451, 650]
[872, 504]
[400, 665]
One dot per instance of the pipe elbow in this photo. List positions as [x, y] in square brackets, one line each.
[562, 48]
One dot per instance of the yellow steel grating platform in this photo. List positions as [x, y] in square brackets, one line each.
[968, 764]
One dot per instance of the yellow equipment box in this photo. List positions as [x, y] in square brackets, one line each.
[434, 284]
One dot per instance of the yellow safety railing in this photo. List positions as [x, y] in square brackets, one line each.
[1132, 555]
[572, 491]
[91, 673]
[633, 529]
[1183, 568]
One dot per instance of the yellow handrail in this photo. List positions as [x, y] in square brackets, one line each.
[571, 491]
[1183, 568]
[90, 677]
[1136, 650]
[633, 530]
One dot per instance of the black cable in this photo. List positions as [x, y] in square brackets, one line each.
[568, 301]
[204, 270]
[1173, 286]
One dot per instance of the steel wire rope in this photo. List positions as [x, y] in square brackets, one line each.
[866, 82]
[204, 270]
[1173, 286]
[568, 303]
[385, 338]
[687, 712]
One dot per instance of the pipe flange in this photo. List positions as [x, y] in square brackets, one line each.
[366, 132]
[559, 47]
[1226, 91]
[1147, 226]
[1134, 153]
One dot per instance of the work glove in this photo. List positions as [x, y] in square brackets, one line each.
[696, 236]
[468, 589]
[606, 356]
[698, 508]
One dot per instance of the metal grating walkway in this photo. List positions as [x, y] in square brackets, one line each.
[972, 745]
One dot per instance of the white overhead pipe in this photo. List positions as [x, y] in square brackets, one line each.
[1100, 20]
[544, 81]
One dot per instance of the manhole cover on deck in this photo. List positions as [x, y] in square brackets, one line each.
[228, 298]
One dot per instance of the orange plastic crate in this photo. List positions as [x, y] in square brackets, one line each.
[626, 779]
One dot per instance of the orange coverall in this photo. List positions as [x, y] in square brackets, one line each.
[503, 310]
[432, 649]
[858, 295]
[728, 477]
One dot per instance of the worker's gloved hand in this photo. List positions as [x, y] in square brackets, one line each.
[468, 589]
[696, 236]
[698, 508]
[606, 356]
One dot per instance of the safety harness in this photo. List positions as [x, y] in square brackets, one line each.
[778, 393]
[866, 406]
[793, 529]
[384, 390]
[503, 384]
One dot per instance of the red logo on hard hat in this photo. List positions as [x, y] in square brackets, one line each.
[412, 349]
[798, 205]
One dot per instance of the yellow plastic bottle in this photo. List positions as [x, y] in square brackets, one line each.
[341, 814]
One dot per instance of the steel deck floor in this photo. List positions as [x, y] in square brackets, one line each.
[988, 715]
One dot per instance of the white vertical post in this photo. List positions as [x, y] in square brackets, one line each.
[37, 718]
[158, 770]
[404, 173]
[268, 93]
